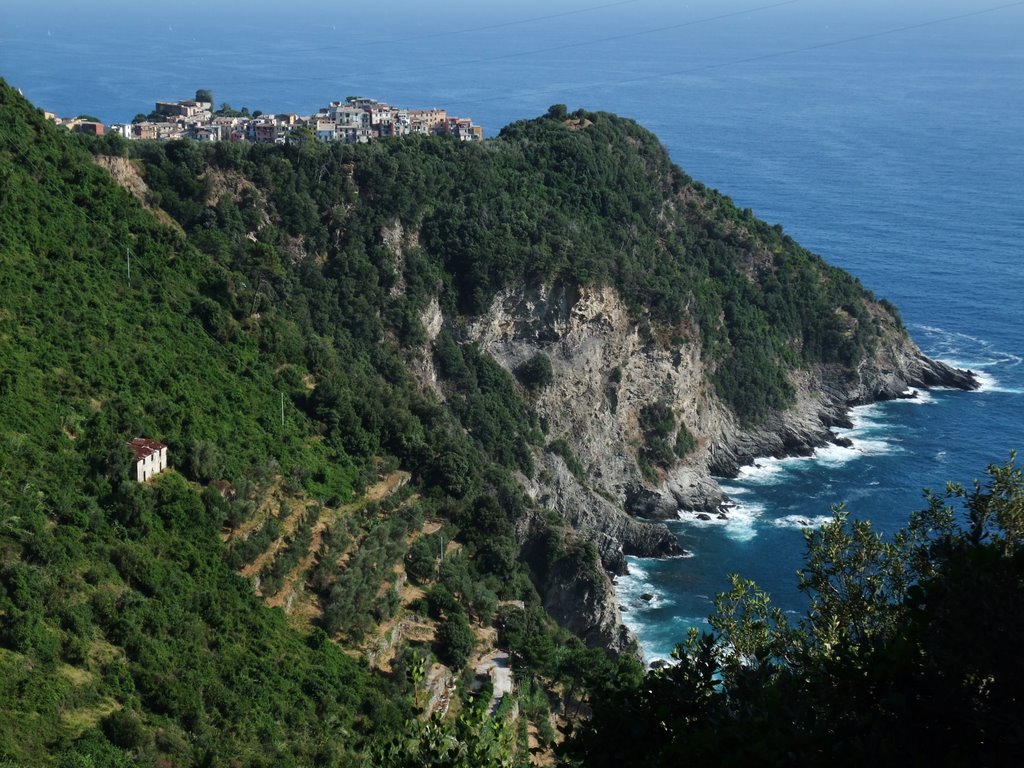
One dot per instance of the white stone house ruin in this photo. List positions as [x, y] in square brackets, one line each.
[150, 458]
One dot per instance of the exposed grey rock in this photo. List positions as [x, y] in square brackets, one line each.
[579, 595]
[605, 371]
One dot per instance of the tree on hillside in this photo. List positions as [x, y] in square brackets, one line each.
[455, 640]
[536, 373]
[203, 94]
[907, 653]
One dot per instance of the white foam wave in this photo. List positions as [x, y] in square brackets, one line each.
[987, 381]
[766, 471]
[915, 396]
[735, 490]
[636, 593]
[865, 418]
[961, 350]
[637, 572]
[869, 436]
[738, 521]
[630, 590]
[837, 455]
[990, 383]
[686, 555]
[800, 522]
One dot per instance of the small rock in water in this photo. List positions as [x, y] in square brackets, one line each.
[659, 664]
[722, 516]
[623, 609]
[703, 516]
[647, 597]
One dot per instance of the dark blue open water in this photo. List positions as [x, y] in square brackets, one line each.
[898, 156]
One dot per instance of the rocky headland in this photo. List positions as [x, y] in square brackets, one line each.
[607, 368]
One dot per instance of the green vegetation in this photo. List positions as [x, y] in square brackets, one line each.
[248, 549]
[265, 333]
[455, 640]
[907, 654]
[485, 401]
[226, 110]
[295, 546]
[536, 373]
[657, 423]
[351, 600]
[421, 562]
[561, 447]
[685, 441]
[126, 636]
[483, 218]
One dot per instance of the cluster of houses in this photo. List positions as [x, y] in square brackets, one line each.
[353, 121]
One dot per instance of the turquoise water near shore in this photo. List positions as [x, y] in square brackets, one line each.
[897, 156]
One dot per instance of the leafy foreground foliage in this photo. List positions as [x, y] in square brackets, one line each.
[908, 654]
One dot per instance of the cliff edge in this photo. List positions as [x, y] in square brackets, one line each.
[607, 371]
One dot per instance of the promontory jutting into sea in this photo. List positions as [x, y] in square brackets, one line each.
[590, 430]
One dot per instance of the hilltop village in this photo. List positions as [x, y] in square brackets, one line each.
[353, 121]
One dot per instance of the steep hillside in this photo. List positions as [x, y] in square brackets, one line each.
[131, 625]
[659, 336]
[549, 333]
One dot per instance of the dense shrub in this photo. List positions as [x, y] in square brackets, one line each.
[536, 373]
[455, 640]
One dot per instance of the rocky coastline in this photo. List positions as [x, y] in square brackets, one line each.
[606, 369]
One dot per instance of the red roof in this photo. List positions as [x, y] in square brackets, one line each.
[144, 447]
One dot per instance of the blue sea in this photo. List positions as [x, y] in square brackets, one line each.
[889, 139]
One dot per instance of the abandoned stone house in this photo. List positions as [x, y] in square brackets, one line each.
[150, 458]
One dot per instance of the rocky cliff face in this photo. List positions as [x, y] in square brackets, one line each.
[607, 368]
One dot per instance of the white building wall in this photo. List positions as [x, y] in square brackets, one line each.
[152, 465]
